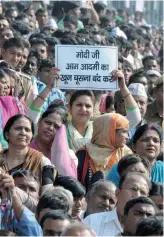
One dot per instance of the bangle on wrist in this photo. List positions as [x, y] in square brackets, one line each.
[41, 97]
[126, 95]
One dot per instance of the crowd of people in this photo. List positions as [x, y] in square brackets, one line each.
[79, 162]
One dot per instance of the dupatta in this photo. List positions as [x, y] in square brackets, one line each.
[102, 151]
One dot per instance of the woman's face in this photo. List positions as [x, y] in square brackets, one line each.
[121, 137]
[82, 109]
[48, 127]
[5, 86]
[20, 134]
[148, 145]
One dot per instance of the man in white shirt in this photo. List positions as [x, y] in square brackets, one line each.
[100, 198]
[131, 185]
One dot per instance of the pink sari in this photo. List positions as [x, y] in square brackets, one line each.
[60, 155]
[10, 106]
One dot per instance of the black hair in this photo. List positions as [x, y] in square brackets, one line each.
[134, 201]
[151, 226]
[12, 120]
[133, 78]
[22, 173]
[52, 41]
[126, 175]
[109, 101]
[46, 63]
[61, 110]
[71, 18]
[21, 16]
[156, 189]
[71, 184]
[36, 54]
[149, 57]
[34, 41]
[99, 6]
[38, 35]
[21, 27]
[14, 8]
[3, 72]
[41, 10]
[79, 93]
[144, 128]
[26, 44]
[13, 42]
[55, 215]
[2, 17]
[131, 159]
[54, 201]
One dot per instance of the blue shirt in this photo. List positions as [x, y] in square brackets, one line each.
[27, 225]
[156, 173]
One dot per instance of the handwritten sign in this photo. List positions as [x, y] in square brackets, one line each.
[86, 67]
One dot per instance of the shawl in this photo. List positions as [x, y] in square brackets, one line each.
[75, 139]
[102, 150]
[64, 160]
[9, 106]
[33, 162]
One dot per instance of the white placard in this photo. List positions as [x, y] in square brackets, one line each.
[86, 67]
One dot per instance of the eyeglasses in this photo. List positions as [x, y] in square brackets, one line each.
[135, 190]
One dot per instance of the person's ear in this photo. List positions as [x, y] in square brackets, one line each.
[6, 136]
[2, 52]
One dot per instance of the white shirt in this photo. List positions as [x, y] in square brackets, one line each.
[104, 223]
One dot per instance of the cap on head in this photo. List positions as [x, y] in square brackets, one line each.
[137, 89]
[153, 73]
[159, 81]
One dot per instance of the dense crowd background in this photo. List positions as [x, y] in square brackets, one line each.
[79, 162]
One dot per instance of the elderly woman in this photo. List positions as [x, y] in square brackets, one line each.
[110, 133]
[18, 132]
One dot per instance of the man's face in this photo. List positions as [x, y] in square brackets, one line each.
[29, 185]
[4, 24]
[151, 65]
[142, 104]
[31, 66]
[4, 35]
[77, 207]
[103, 199]
[151, 82]
[69, 26]
[12, 55]
[44, 74]
[42, 49]
[134, 186]
[76, 12]
[54, 227]
[136, 214]
[12, 15]
[42, 19]
[23, 60]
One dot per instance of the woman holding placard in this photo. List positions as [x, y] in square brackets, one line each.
[80, 129]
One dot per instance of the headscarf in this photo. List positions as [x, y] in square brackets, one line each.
[102, 150]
